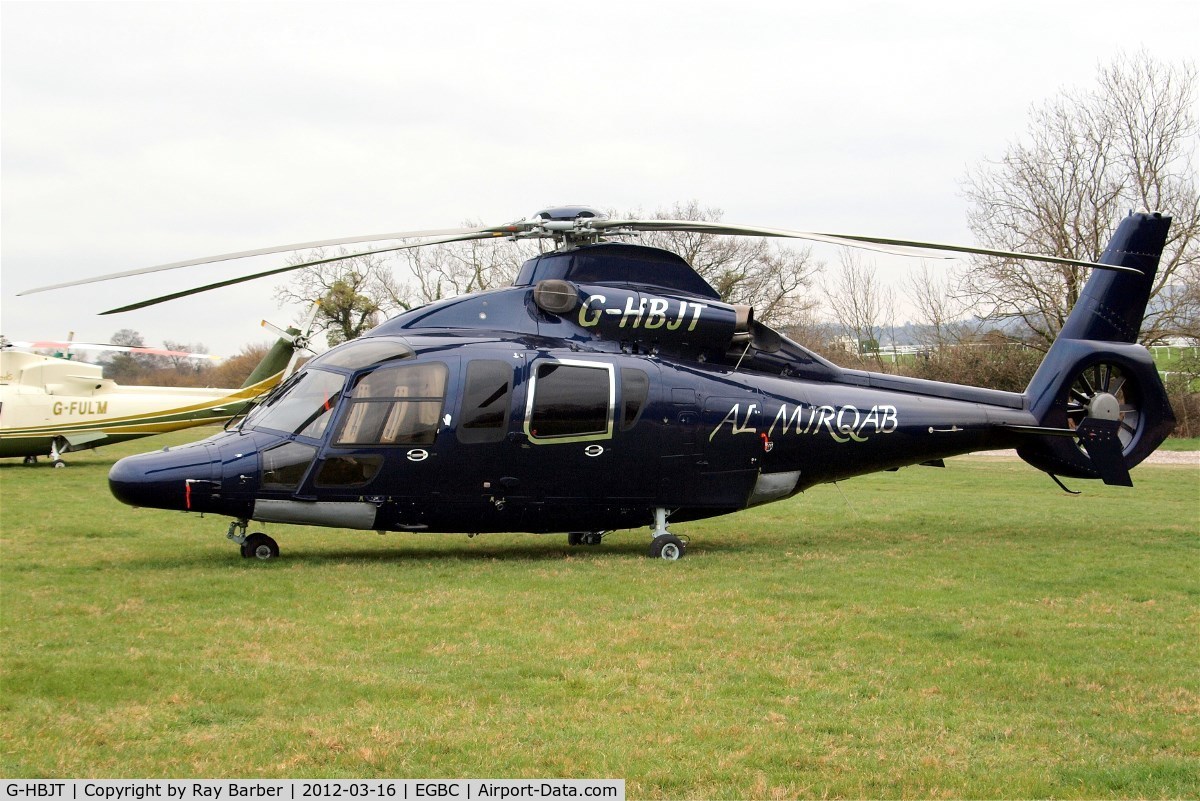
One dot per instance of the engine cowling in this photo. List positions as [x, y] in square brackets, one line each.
[644, 318]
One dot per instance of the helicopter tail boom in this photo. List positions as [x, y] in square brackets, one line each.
[1096, 383]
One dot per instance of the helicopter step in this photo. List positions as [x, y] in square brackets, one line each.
[586, 537]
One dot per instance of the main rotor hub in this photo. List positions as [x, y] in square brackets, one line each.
[568, 226]
[563, 213]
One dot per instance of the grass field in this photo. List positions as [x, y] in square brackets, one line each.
[967, 632]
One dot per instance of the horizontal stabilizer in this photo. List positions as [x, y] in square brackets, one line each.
[1100, 438]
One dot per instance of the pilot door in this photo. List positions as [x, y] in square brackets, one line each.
[383, 452]
[583, 438]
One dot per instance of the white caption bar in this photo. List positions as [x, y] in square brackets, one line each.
[312, 790]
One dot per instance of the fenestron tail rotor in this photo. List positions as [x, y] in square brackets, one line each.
[1104, 391]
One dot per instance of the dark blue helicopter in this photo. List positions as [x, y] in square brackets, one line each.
[609, 387]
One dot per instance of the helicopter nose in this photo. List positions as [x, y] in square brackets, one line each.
[167, 479]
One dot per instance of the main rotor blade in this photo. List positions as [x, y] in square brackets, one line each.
[243, 278]
[723, 229]
[903, 247]
[71, 345]
[497, 230]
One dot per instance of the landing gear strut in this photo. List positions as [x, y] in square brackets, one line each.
[56, 455]
[256, 545]
[665, 545]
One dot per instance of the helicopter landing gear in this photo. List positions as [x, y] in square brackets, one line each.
[30, 460]
[256, 545]
[665, 545]
[668, 547]
[585, 537]
[56, 455]
[260, 546]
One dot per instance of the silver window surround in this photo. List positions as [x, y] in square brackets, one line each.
[532, 395]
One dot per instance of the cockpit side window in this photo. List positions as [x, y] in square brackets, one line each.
[635, 390]
[303, 407]
[395, 406]
[284, 466]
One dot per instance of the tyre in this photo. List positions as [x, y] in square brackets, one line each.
[260, 546]
[667, 546]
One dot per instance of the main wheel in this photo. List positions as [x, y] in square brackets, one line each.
[667, 546]
[30, 460]
[575, 538]
[59, 463]
[260, 546]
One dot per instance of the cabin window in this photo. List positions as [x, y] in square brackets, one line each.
[484, 415]
[395, 406]
[570, 402]
[284, 466]
[348, 471]
[635, 390]
[302, 407]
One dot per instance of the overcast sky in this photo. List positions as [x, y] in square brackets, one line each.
[141, 133]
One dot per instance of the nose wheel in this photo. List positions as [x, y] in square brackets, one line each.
[253, 546]
[260, 546]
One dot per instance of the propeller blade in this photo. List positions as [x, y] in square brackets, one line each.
[291, 365]
[279, 332]
[243, 278]
[1000, 254]
[301, 339]
[722, 229]
[575, 230]
[496, 230]
[903, 247]
[298, 337]
[71, 345]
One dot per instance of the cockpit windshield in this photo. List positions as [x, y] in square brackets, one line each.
[302, 406]
[358, 353]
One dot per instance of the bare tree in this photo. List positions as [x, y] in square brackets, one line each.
[185, 363]
[126, 368]
[861, 304]
[748, 270]
[458, 268]
[354, 292]
[943, 317]
[1087, 158]
[358, 292]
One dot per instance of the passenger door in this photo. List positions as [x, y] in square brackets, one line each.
[585, 437]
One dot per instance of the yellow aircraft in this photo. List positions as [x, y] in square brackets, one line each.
[51, 406]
